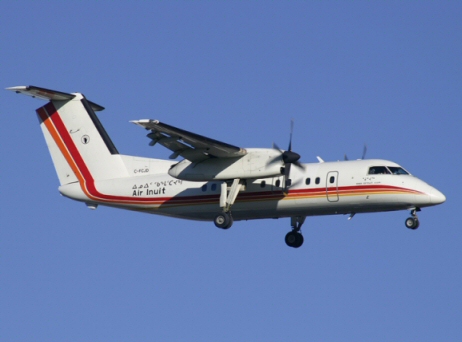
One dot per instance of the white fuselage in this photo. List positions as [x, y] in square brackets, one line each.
[328, 188]
[215, 181]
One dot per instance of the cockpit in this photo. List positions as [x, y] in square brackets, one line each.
[387, 170]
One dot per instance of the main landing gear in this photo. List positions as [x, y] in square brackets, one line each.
[295, 238]
[224, 220]
[413, 221]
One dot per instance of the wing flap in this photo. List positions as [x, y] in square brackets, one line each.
[191, 146]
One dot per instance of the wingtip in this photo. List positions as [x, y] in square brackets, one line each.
[137, 122]
[17, 88]
[144, 121]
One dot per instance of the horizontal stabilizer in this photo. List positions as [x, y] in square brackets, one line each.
[47, 94]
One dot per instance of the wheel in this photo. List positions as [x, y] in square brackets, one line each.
[290, 239]
[231, 221]
[299, 241]
[412, 223]
[409, 222]
[223, 220]
[294, 239]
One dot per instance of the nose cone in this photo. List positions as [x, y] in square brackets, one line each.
[437, 197]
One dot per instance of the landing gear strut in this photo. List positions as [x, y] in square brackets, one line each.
[295, 238]
[413, 221]
[224, 219]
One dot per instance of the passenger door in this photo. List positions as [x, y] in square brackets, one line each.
[332, 186]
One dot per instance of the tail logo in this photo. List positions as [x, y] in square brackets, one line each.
[85, 139]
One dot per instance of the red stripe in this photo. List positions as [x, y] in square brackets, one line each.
[42, 114]
[88, 184]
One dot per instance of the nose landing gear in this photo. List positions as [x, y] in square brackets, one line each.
[294, 238]
[413, 222]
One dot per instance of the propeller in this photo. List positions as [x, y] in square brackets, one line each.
[289, 158]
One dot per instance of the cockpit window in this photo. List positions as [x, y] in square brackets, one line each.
[387, 170]
[398, 170]
[378, 170]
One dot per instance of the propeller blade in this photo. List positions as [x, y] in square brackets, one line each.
[278, 158]
[289, 158]
[287, 180]
[291, 132]
[274, 160]
[276, 147]
[297, 182]
[299, 165]
[287, 171]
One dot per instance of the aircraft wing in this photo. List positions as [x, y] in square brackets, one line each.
[191, 146]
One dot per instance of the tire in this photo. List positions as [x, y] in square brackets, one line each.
[231, 221]
[223, 220]
[300, 240]
[294, 239]
[290, 239]
[412, 223]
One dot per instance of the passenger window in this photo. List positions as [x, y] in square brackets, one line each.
[318, 180]
[308, 181]
[204, 187]
[378, 170]
[278, 183]
[214, 187]
[332, 179]
[262, 184]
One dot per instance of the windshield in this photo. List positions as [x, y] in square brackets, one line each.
[379, 170]
[387, 170]
[398, 170]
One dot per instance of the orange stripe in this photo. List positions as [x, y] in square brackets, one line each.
[59, 142]
[178, 201]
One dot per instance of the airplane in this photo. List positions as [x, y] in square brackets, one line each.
[215, 181]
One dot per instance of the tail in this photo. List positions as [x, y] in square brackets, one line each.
[79, 146]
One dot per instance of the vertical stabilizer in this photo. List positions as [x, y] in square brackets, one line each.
[79, 145]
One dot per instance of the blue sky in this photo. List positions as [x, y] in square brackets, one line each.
[383, 73]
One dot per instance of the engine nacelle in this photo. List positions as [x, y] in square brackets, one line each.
[257, 163]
